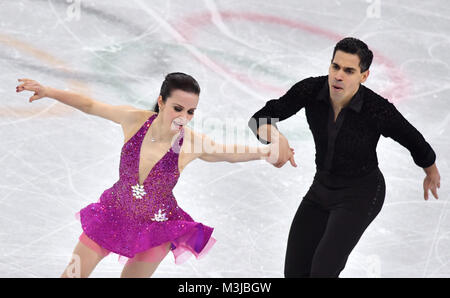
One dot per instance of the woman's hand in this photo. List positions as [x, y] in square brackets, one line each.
[31, 85]
[280, 153]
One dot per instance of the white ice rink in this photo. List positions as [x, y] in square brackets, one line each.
[55, 159]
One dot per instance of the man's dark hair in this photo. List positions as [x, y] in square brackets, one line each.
[353, 45]
[177, 81]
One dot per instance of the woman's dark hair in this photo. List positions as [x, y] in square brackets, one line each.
[355, 46]
[177, 81]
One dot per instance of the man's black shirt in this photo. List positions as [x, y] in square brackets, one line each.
[346, 147]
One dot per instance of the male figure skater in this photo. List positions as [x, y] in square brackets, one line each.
[346, 120]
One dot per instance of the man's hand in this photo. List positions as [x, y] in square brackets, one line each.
[281, 152]
[432, 181]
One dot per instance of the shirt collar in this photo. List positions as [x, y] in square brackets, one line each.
[355, 103]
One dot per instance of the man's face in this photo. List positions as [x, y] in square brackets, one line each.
[344, 76]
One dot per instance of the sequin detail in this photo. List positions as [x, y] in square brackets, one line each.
[159, 216]
[138, 191]
[130, 217]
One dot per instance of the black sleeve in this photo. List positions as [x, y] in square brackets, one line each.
[392, 124]
[280, 109]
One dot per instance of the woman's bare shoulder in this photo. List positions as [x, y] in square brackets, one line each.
[142, 113]
[136, 118]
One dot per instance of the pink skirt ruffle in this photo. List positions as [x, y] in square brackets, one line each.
[194, 239]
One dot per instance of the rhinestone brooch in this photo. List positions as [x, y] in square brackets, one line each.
[160, 216]
[138, 191]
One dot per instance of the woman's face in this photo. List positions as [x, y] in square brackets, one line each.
[178, 109]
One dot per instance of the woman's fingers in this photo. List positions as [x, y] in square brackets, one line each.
[292, 161]
[22, 86]
[28, 86]
[24, 80]
[34, 98]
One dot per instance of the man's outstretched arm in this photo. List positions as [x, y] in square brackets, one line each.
[392, 124]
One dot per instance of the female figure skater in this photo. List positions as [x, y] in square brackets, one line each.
[346, 120]
[138, 218]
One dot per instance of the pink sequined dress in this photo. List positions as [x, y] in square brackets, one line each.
[130, 218]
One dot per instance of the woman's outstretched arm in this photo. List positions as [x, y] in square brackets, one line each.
[116, 113]
[70, 98]
[208, 150]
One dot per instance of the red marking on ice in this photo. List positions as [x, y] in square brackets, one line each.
[189, 25]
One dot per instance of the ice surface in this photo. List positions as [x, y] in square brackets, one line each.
[55, 159]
